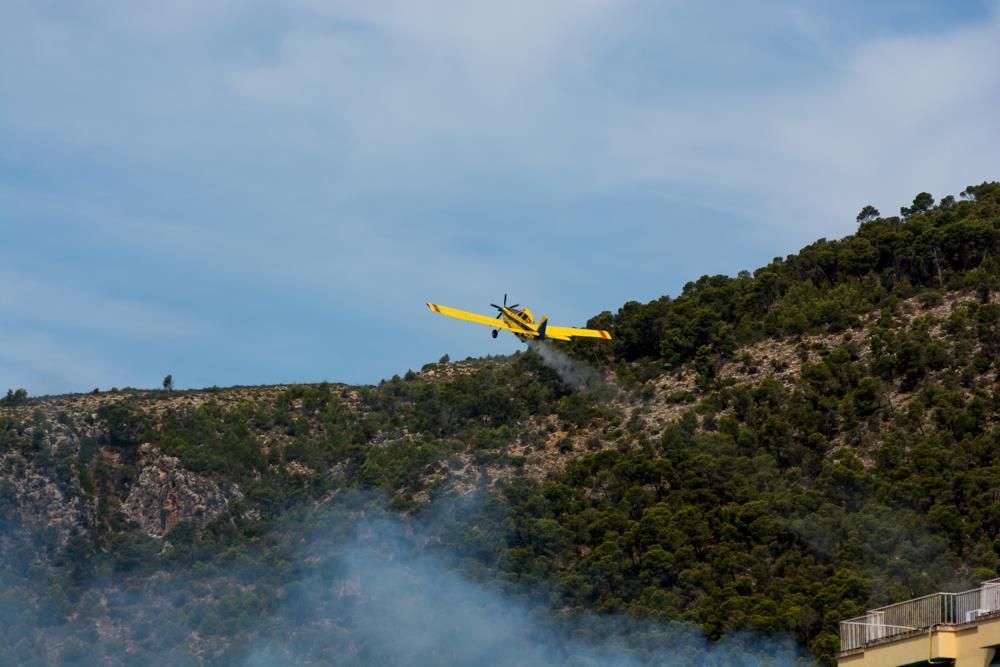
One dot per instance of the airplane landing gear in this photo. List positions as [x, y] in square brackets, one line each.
[494, 333]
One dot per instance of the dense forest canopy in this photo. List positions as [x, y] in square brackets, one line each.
[771, 453]
[826, 286]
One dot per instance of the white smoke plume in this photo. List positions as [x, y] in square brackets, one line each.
[363, 587]
[573, 372]
[403, 604]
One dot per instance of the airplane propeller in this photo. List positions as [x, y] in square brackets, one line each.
[500, 314]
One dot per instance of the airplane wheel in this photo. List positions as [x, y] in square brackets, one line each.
[494, 332]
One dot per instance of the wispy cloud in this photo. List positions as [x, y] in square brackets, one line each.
[894, 117]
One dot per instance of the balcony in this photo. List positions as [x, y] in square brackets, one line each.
[903, 619]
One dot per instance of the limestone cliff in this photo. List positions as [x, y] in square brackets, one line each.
[165, 494]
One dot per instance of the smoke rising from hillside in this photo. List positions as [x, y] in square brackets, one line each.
[364, 587]
[407, 606]
[573, 372]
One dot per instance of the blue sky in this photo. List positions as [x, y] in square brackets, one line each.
[241, 192]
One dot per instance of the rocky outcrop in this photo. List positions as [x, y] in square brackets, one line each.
[39, 488]
[165, 494]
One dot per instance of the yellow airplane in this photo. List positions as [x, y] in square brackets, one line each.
[520, 322]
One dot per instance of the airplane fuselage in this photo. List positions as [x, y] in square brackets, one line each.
[519, 320]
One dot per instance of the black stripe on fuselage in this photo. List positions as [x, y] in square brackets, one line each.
[513, 318]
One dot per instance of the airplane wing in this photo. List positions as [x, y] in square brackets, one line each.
[566, 333]
[472, 317]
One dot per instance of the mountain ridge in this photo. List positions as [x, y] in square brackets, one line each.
[772, 453]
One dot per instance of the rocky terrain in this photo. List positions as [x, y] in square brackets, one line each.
[47, 438]
[760, 456]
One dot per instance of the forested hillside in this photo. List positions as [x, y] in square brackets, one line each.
[768, 454]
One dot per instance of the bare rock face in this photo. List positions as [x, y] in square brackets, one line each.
[43, 503]
[165, 494]
[41, 492]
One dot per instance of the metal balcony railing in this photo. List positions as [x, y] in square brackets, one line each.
[902, 618]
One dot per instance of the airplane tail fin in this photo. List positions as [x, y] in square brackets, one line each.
[542, 327]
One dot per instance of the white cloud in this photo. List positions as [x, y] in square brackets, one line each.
[904, 115]
[437, 99]
[901, 115]
[481, 90]
[411, 96]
